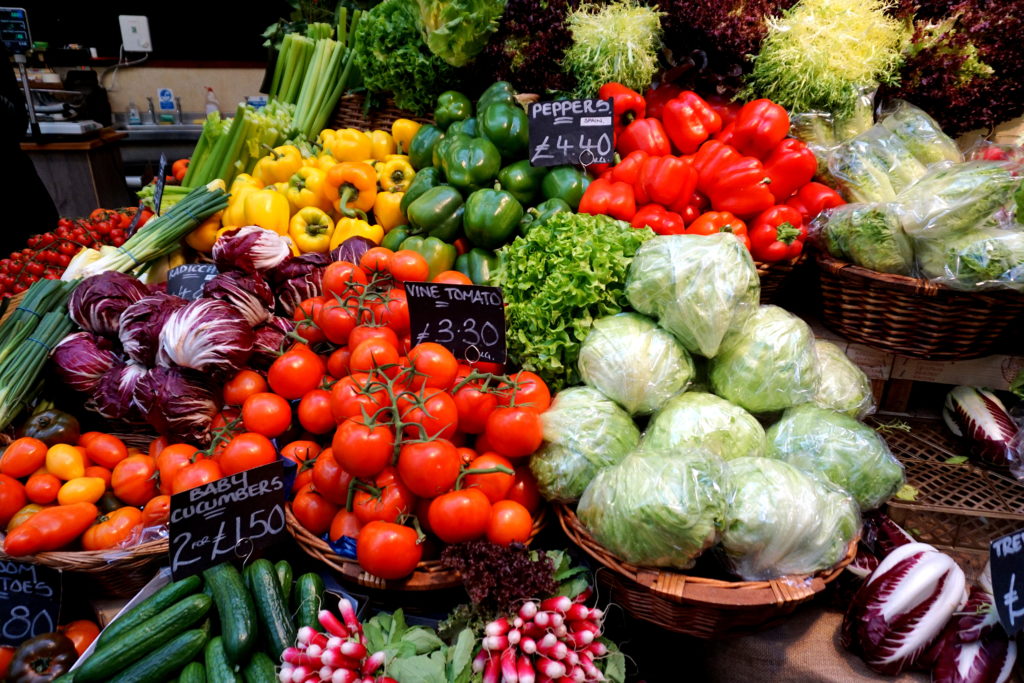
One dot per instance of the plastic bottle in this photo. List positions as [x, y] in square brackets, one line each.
[212, 104]
[134, 117]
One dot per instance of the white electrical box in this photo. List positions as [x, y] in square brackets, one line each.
[135, 33]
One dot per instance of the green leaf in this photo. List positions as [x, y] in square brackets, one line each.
[422, 639]
[419, 669]
[398, 625]
[573, 587]
[614, 663]
[374, 635]
[956, 460]
[907, 492]
[460, 657]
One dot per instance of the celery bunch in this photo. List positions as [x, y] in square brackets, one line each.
[232, 146]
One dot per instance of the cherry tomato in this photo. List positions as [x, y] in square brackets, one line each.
[428, 468]
[305, 316]
[375, 260]
[514, 432]
[362, 450]
[363, 332]
[531, 393]
[296, 373]
[313, 511]
[345, 523]
[387, 550]
[173, 459]
[337, 362]
[106, 450]
[495, 485]
[394, 500]
[133, 479]
[343, 279]
[350, 397]
[407, 265]
[157, 511]
[435, 418]
[245, 452]
[330, 479]
[23, 457]
[473, 406]
[510, 522]
[41, 488]
[315, 412]
[373, 354]
[524, 489]
[435, 366]
[336, 321]
[12, 498]
[244, 384]
[199, 473]
[267, 414]
[460, 515]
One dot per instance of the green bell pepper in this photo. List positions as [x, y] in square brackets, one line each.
[424, 180]
[439, 254]
[501, 91]
[452, 106]
[521, 179]
[438, 155]
[438, 212]
[507, 126]
[395, 236]
[479, 265]
[539, 214]
[565, 182]
[470, 163]
[470, 127]
[492, 217]
[421, 149]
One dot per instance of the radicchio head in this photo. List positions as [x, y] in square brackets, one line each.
[252, 249]
[113, 397]
[177, 403]
[98, 301]
[247, 292]
[209, 336]
[141, 323]
[81, 359]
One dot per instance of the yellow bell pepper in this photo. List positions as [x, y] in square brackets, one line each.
[325, 161]
[203, 237]
[81, 490]
[311, 229]
[306, 188]
[381, 144]
[64, 461]
[404, 130]
[268, 209]
[355, 227]
[395, 173]
[387, 210]
[279, 165]
[245, 180]
[349, 144]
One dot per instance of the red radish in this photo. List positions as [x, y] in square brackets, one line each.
[331, 624]
[592, 671]
[557, 651]
[285, 675]
[479, 661]
[517, 622]
[578, 612]
[314, 650]
[550, 668]
[533, 630]
[373, 662]
[344, 676]
[528, 610]
[492, 669]
[577, 626]
[597, 648]
[596, 615]
[509, 673]
[495, 643]
[560, 631]
[528, 645]
[295, 656]
[585, 595]
[333, 657]
[577, 675]
[352, 649]
[542, 619]
[525, 670]
[301, 673]
[514, 637]
[559, 604]
[571, 658]
[498, 627]
[334, 643]
[348, 613]
[580, 639]
[555, 619]
[307, 635]
[547, 642]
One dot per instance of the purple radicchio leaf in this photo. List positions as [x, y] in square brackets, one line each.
[252, 249]
[973, 648]
[140, 325]
[81, 359]
[882, 535]
[271, 339]
[114, 396]
[298, 279]
[352, 249]
[178, 403]
[98, 301]
[208, 336]
[247, 292]
[979, 417]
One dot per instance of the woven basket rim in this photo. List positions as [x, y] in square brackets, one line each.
[96, 561]
[764, 267]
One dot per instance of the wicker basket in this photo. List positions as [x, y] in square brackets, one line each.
[695, 605]
[349, 114]
[428, 576]
[912, 317]
[774, 276]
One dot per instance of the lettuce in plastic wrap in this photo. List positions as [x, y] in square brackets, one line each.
[584, 431]
[695, 286]
[656, 509]
[697, 420]
[848, 453]
[842, 386]
[974, 259]
[869, 235]
[632, 361]
[766, 364]
[921, 134]
[781, 521]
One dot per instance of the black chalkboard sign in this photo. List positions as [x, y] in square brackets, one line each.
[468, 320]
[228, 519]
[577, 132]
[29, 601]
[1007, 557]
[187, 281]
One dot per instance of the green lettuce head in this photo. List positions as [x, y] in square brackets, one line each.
[584, 431]
[766, 364]
[704, 421]
[695, 286]
[781, 521]
[842, 386]
[848, 453]
[632, 361]
[656, 509]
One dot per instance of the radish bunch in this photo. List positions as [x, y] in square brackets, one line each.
[337, 656]
[555, 641]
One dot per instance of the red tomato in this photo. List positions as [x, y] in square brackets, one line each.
[343, 279]
[510, 522]
[361, 450]
[337, 362]
[267, 414]
[336, 321]
[436, 416]
[495, 485]
[407, 265]
[394, 500]
[363, 332]
[466, 455]
[345, 523]
[473, 406]
[452, 277]
[434, 366]
[100, 472]
[41, 488]
[157, 511]
[387, 550]
[12, 498]
[106, 450]
[524, 489]
[155, 446]
[315, 412]
[531, 392]
[199, 473]
[428, 468]
[330, 479]
[23, 457]
[350, 397]
[81, 632]
[302, 453]
[244, 384]
[373, 354]
[172, 460]
[134, 480]
[313, 511]
[296, 373]
[245, 452]
[460, 515]
[305, 316]
[514, 432]
[375, 260]
[395, 311]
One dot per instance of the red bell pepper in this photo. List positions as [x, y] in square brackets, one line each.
[689, 121]
[711, 160]
[658, 97]
[647, 135]
[667, 180]
[727, 109]
[628, 171]
[790, 166]
[604, 196]
[692, 209]
[760, 126]
[660, 220]
[627, 104]
[690, 213]
[719, 221]
[777, 234]
[731, 181]
[813, 198]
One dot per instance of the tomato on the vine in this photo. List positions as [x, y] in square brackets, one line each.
[305, 316]
[337, 362]
[434, 366]
[531, 392]
[388, 550]
[199, 473]
[434, 416]
[514, 432]
[524, 489]
[363, 450]
[315, 412]
[452, 277]
[392, 500]
[363, 332]
[428, 468]
[466, 455]
[245, 452]
[267, 414]
[295, 373]
[375, 260]
[345, 523]
[336, 321]
[510, 522]
[372, 354]
[394, 311]
[244, 384]
[303, 453]
[495, 485]
[313, 511]
[459, 516]
[343, 279]
[330, 479]
[473, 406]
[407, 265]
[351, 396]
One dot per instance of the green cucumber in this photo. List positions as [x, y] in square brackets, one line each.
[307, 599]
[148, 608]
[260, 669]
[275, 622]
[135, 644]
[236, 612]
[193, 673]
[163, 662]
[218, 668]
[284, 577]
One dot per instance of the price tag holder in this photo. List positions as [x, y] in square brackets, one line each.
[29, 601]
[468, 320]
[1006, 555]
[576, 132]
[228, 519]
[161, 180]
[187, 281]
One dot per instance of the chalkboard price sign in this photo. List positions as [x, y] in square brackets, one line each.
[468, 320]
[187, 281]
[1007, 558]
[228, 519]
[578, 132]
[29, 601]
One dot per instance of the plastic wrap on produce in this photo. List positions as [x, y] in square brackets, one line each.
[920, 133]
[848, 453]
[842, 386]
[823, 132]
[868, 235]
[632, 361]
[874, 166]
[768, 363]
[781, 521]
[956, 198]
[695, 421]
[584, 431]
[695, 286]
[975, 259]
[656, 509]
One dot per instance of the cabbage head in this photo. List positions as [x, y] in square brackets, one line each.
[584, 431]
[768, 363]
[656, 509]
[842, 386]
[632, 361]
[781, 521]
[696, 420]
[695, 286]
[848, 453]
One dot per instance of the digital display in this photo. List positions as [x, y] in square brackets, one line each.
[14, 30]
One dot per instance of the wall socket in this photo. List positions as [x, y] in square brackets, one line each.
[135, 33]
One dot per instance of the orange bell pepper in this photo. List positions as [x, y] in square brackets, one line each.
[113, 530]
[50, 529]
[353, 185]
